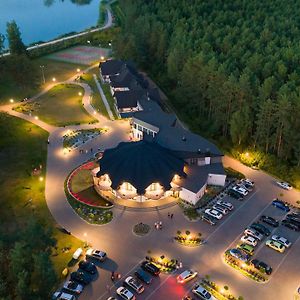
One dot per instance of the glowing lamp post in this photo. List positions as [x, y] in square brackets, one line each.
[54, 79]
[41, 178]
[79, 94]
[11, 100]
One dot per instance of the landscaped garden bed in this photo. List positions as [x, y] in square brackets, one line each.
[244, 268]
[141, 229]
[165, 264]
[84, 199]
[75, 138]
[221, 293]
[188, 239]
[189, 211]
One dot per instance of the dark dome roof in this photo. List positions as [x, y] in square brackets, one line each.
[140, 163]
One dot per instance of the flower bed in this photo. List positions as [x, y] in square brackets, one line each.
[141, 229]
[87, 196]
[245, 270]
[187, 239]
[164, 264]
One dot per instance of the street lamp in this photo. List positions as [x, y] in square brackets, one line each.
[53, 79]
[41, 178]
[102, 57]
[79, 94]
[36, 117]
[43, 74]
[78, 70]
[11, 100]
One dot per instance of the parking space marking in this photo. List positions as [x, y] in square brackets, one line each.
[288, 251]
[252, 221]
[159, 286]
[112, 286]
[229, 217]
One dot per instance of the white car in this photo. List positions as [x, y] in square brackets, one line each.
[97, 254]
[226, 204]
[254, 233]
[202, 292]
[125, 294]
[134, 284]
[284, 185]
[248, 181]
[282, 240]
[240, 190]
[186, 276]
[77, 253]
[245, 186]
[221, 209]
[250, 240]
[63, 296]
[214, 213]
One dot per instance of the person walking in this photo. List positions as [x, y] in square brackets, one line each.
[172, 216]
[169, 215]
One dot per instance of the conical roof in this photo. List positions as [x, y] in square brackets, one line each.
[140, 163]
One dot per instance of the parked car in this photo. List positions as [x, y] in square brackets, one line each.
[290, 225]
[250, 240]
[238, 254]
[240, 190]
[254, 233]
[261, 228]
[142, 275]
[96, 254]
[281, 205]
[246, 248]
[234, 194]
[269, 220]
[294, 217]
[221, 209]
[150, 267]
[248, 181]
[245, 186]
[77, 253]
[186, 276]
[112, 298]
[124, 293]
[88, 267]
[134, 284]
[214, 213]
[282, 240]
[209, 219]
[201, 292]
[73, 287]
[275, 245]
[63, 296]
[261, 266]
[225, 204]
[80, 277]
[284, 185]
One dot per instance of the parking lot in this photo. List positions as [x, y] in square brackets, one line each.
[125, 251]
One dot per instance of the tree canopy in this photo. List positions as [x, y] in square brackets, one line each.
[231, 68]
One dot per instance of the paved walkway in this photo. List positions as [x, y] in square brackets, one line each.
[110, 113]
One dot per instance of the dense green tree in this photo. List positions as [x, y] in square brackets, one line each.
[2, 39]
[15, 42]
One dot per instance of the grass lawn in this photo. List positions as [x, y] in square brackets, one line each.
[96, 100]
[82, 181]
[23, 148]
[109, 97]
[60, 70]
[60, 106]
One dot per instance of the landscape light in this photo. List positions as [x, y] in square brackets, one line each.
[95, 112]
[41, 178]
[78, 70]
[102, 57]
[36, 117]
[53, 79]
[11, 101]
[80, 94]
[247, 154]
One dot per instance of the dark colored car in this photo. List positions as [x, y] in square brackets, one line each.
[281, 205]
[293, 218]
[261, 266]
[234, 194]
[88, 266]
[261, 228]
[142, 275]
[209, 219]
[81, 277]
[290, 225]
[269, 220]
[150, 267]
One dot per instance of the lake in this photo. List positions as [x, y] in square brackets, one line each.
[43, 20]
